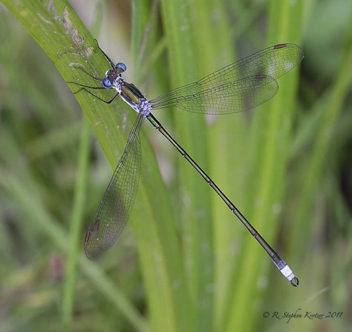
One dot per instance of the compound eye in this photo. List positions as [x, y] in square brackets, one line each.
[107, 83]
[121, 66]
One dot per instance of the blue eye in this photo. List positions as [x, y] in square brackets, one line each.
[106, 83]
[121, 66]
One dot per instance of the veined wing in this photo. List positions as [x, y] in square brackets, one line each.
[273, 62]
[227, 98]
[115, 207]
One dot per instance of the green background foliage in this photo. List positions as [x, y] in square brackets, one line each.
[184, 262]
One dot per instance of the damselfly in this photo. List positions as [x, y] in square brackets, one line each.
[237, 87]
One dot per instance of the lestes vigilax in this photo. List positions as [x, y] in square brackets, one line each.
[237, 87]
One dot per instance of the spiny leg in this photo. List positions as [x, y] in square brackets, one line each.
[87, 86]
[96, 78]
[106, 56]
[95, 96]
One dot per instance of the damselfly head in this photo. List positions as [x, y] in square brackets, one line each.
[111, 76]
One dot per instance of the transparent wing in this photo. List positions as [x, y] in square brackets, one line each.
[230, 97]
[271, 62]
[115, 207]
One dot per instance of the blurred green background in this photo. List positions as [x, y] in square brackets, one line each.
[184, 262]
